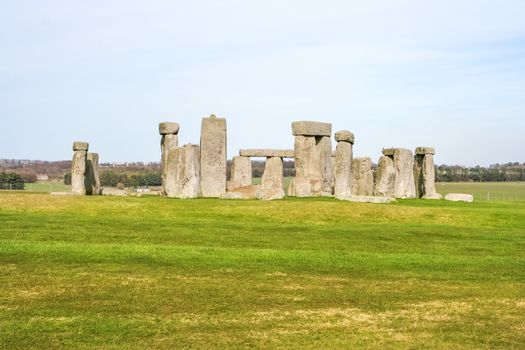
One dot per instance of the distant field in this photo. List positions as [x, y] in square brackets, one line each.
[46, 187]
[159, 273]
[486, 191]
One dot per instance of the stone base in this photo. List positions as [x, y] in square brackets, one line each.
[433, 196]
[114, 192]
[64, 194]
[459, 197]
[246, 192]
[269, 194]
[368, 199]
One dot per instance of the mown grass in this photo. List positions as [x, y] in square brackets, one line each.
[47, 187]
[486, 191]
[151, 272]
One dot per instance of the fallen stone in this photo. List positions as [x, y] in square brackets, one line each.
[369, 199]
[345, 136]
[282, 153]
[307, 128]
[109, 191]
[167, 128]
[213, 157]
[459, 197]
[63, 194]
[246, 192]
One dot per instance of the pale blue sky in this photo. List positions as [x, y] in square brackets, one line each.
[447, 74]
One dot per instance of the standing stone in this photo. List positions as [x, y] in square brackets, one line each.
[187, 171]
[213, 157]
[424, 173]
[405, 186]
[385, 177]
[168, 145]
[343, 164]
[241, 173]
[78, 168]
[313, 159]
[272, 180]
[92, 180]
[362, 177]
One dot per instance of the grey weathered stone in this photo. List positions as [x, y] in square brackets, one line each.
[388, 151]
[291, 188]
[62, 194]
[425, 150]
[213, 157]
[459, 197]
[109, 191]
[92, 180]
[404, 164]
[344, 135]
[282, 153]
[369, 199]
[78, 168]
[167, 128]
[343, 169]
[187, 172]
[307, 128]
[424, 173]
[241, 172]
[385, 177]
[245, 192]
[168, 145]
[307, 180]
[80, 146]
[362, 177]
[324, 146]
[272, 180]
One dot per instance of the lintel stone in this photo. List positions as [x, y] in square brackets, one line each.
[388, 151]
[307, 128]
[80, 146]
[282, 153]
[425, 150]
[344, 135]
[166, 128]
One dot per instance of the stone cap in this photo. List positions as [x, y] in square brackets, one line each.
[425, 150]
[388, 151]
[166, 128]
[282, 153]
[344, 135]
[306, 128]
[80, 146]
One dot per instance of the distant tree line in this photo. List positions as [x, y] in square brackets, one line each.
[494, 173]
[11, 181]
[112, 179]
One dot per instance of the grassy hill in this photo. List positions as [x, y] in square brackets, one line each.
[152, 272]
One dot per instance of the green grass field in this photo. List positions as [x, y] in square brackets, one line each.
[486, 191]
[47, 187]
[151, 272]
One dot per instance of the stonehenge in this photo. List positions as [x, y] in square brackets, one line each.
[362, 177]
[193, 171]
[313, 159]
[92, 179]
[213, 157]
[342, 164]
[168, 144]
[424, 173]
[78, 167]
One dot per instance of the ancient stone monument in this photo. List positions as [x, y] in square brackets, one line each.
[403, 162]
[385, 177]
[272, 180]
[213, 157]
[459, 197]
[362, 177]
[343, 164]
[424, 173]
[313, 159]
[168, 145]
[187, 171]
[78, 167]
[241, 172]
[92, 179]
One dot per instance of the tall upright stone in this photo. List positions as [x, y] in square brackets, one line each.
[385, 177]
[343, 164]
[405, 186]
[213, 157]
[362, 177]
[92, 179]
[272, 180]
[187, 171]
[78, 167]
[168, 144]
[424, 173]
[241, 172]
[313, 159]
